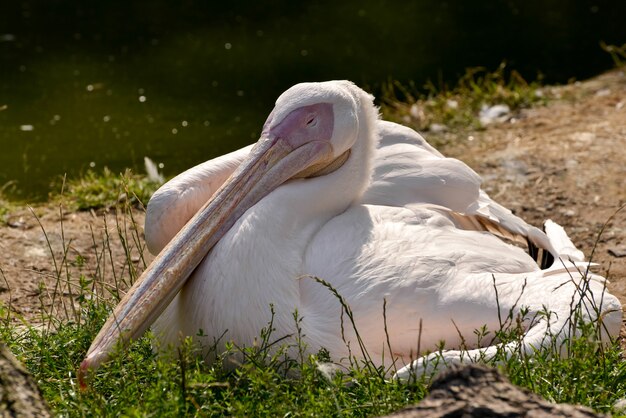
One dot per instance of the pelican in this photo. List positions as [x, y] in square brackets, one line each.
[421, 255]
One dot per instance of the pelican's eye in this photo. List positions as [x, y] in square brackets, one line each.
[311, 120]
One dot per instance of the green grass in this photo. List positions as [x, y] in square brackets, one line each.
[107, 189]
[138, 383]
[268, 382]
[459, 106]
[617, 52]
[591, 376]
[6, 206]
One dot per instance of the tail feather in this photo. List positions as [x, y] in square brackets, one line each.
[562, 244]
[539, 245]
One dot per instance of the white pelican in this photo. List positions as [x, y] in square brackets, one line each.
[331, 191]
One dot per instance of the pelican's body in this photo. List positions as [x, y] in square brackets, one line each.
[385, 219]
[368, 247]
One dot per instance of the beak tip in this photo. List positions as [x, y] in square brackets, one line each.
[83, 374]
[87, 368]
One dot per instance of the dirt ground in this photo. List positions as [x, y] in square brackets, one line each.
[105, 246]
[565, 161]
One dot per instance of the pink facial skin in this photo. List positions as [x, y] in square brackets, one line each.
[303, 125]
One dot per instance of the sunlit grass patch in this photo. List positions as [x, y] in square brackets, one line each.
[590, 374]
[443, 108]
[96, 190]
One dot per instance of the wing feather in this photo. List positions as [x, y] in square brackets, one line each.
[407, 171]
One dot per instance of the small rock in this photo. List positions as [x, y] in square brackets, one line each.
[493, 114]
[437, 128]
[17, 223]
[584, 137]
[452, 104]
[569, 212]
[603, 92]
[618, 252]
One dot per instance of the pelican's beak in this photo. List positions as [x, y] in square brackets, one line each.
[272, 161]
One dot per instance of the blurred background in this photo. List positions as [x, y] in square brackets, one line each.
[91, 84]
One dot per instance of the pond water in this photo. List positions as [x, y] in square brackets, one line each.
[91, 85]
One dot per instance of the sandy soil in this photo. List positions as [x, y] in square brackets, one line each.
[45, 253]
[565, 161]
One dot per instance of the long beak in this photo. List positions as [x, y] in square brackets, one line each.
[271, 162]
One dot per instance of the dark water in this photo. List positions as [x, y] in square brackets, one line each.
[106, 83]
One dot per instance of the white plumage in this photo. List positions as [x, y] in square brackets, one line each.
[396, 223]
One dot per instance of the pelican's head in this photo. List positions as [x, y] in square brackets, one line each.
[324, 116]
[309, 133]
[317, 112]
